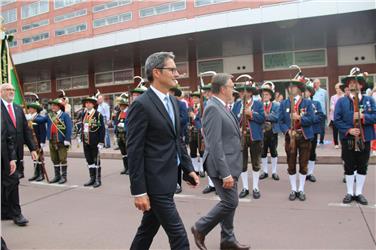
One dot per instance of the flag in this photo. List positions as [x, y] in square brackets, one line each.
[8, 71]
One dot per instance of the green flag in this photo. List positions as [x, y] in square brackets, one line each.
[8, 71]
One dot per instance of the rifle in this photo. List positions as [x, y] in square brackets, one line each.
[358, 140]
[201, 144]
[292, 132]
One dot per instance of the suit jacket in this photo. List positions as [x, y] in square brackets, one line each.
[344, 117]
[257, 121]
[223, 156]
[273, 117]
[184, 119]
[96, 129]
[306, 112]
[21, 134]
[40, 130]
[153, 144]
[8, 153]
[64, 119]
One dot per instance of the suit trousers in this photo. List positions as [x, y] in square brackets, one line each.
[222, 213]
[162, 213]
[10, 199]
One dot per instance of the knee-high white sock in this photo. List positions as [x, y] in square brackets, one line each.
[194, 163]
[360, 179]
[350, 184]
[302, 178]
[274, 165]
[244, 177]
[210, 183]
[311, 167]
[264, 162]
[292, 179]
[200, 166]
[256, 176]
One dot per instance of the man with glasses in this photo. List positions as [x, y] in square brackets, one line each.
[154, 152]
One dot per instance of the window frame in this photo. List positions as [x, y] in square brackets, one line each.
[126, 82]
[40, 13]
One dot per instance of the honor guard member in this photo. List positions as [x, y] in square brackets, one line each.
[317, 119]
[34, 109]
[92, 136]
[195, 136]
[252, 137]
[140, 89]
[355, 116]
[59, 132]
[120, 131]
[271, 130]
[295, 121]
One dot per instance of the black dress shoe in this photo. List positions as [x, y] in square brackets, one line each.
[256, 194]
[21, 175]
[20, 220]
[311, 178]
[233, 246]
[208, 189]
[361, 199]
[243, 193]
[263, 176]
[292, 196]
[178, 189]
[199, 238]
[301, 196]
[275, 177]
[348, 199]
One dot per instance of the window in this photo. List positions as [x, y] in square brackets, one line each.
[6, 2]
[74, 82]
[183, 69]
[11, 31]
[65, 3]
[210, 65]
[71, 29]
[35, 9]
[35, 25]
[110, 5]
[114, 77]
[112, 20]
[200, 3]
[9, 16]
[38, 87]
[13, 44]
[36, 38]
[162, 9]
[70, 15]
[303, 58]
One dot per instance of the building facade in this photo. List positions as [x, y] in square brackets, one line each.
[81, 46]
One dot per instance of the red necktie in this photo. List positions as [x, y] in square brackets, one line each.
[10, 111]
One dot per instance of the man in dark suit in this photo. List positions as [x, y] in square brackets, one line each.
[13, 118]
[223, 162]
[155, 151]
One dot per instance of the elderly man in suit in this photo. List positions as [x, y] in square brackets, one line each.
[223, 162]
[14, 120]
[155, 151]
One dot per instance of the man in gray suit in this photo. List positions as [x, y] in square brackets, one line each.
[223, 163]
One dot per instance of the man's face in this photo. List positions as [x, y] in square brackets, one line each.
[294, 90]
[135, 95]
[167, 76]
[122, 107]
[100, 99]
[196, 100]
[7, 93]
[307, 93]
[266, 96]
[241, 93]
[89, 105]
[227, 90]
[354, 85]
[32, 110]
[55, 108]
[316, 84]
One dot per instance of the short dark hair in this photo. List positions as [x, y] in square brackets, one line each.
[155, 61]
[219, 80]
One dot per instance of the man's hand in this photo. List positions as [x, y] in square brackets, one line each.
[195, 177]
[295, 116]
[67, 143]
[356, 114]
[191, 115]
[248, 113]
[13, 167]
[142, 203]
[228, 182]
[100, 146]
[34, 155]
[354, 131]
[121, 125]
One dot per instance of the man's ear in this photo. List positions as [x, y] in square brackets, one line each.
[156, 73]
